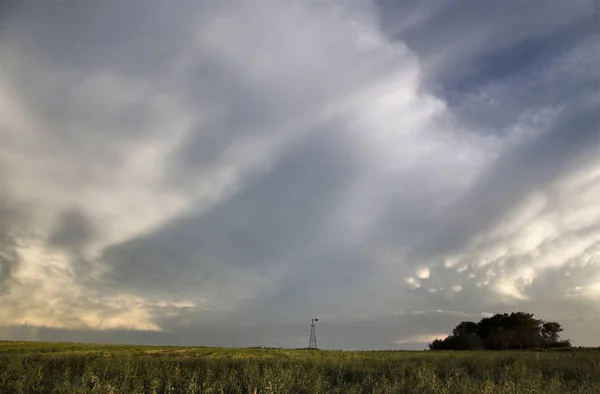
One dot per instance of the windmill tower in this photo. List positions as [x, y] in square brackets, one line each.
[312, 342]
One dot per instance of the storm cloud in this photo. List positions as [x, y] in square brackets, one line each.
[219, 173]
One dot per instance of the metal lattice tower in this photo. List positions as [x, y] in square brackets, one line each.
[312, 342]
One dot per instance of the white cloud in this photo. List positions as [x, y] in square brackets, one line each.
[423, 273]
[413, 282]
[548, 231]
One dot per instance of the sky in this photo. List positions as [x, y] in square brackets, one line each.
[219, 173]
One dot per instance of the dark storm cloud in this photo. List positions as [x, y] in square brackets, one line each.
[10, 217]
[467, 46]
[521, 171]
[72, 231]
[526, 56]
[273, 222]
[474, 31]
[8, 259]
[215, 172]
[82, 36]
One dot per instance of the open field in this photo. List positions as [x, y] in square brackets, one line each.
[74, 368]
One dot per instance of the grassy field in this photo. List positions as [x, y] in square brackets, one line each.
[30, 367]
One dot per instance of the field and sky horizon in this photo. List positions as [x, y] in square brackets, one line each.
[212, 173]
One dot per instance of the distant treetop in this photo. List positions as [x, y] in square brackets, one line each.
[518, 330]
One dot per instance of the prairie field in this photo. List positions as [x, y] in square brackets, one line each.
[32, 367]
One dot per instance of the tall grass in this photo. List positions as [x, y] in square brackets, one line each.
[77, 369]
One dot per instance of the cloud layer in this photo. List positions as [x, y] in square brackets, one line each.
[220, 173]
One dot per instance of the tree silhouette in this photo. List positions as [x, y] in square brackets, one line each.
[518, 330]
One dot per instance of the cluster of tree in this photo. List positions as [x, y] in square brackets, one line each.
[518, 330]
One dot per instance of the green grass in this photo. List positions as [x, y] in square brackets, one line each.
[30, 367]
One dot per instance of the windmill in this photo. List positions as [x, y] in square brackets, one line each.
[312, 342]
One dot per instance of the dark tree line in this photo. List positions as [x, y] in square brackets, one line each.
[518, 330]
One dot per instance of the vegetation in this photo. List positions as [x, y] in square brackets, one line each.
[28, 367]
[519, 330]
